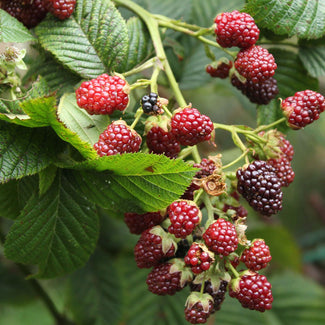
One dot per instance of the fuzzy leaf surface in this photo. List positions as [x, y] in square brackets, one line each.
[22, 151]
[302, 18]
[87, 126]
[57, 231]
[95, 294]
[312, 55]
[133, 182]
[11, 30]
[94, 39]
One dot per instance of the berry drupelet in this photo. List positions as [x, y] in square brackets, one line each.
[236, 29]
[303, 108]
[198, 258]
[260, 186]
[61, 9]
[103, 95]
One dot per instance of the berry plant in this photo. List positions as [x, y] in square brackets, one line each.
[97, 127]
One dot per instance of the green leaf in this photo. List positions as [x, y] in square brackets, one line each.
[8, 200]
[11, 30]
[57, 231]
[23, 152]
[46, 178]
[312, 55]
[87, 126]
[284, 249]
[95, 295]
[302, 18]
[136, 182]
[171, 8]
[143, 307]
[91, 41]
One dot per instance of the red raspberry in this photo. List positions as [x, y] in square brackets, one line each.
[303, 108]
[148, 251]
[190, 127]
[257, 256]
[61, 9]
[255, 63]
[161, 281]
[162, 142]
[236, 29]
[117, 138]
[196, 314]
[29, 12]
[220, 70]
[137, 223]
[253, 292]
[103, 95]
[260, 93]
[218, 295]
[221, 237]
[260, 186]
[283, 170]
[198, 258]
[184, 217]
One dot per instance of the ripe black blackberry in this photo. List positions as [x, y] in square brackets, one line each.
[260, 186]
[260, 93]
[150, 105]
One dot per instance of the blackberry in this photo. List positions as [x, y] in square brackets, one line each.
[218, 296]
[149, 252]
[184, 217]
[116, 139]
[236, 29]
[257, 256]
[137, 223]
[29, 12]
[260, 93]
[283, 170]
[160, 141]
[219, 70]
[161, 281]
[255, 64]
[149, 104]
[253, 292]
[61, 9]
[103, 95]
[260, 186]
[196, 314]
[198, 258]
[303, 108]
[286, 147]
[221, 237]
[190, 127]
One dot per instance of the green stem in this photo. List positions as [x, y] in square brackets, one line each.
[196, 155]
[209, 207]
[140, 83]
[232, 269]
[148, 64]
[153, 29]
[236, 160]
[237, 140]
[265, 127]
[154, 78]
[138, 115]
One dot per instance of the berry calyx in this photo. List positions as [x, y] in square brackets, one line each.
[253, 291]
[221, 237]
[137, 223]
[160, 141]
[257, 256]
[103, 95]
[198, 258]
[198, 308]
[184, 216]
[116, 139]
[61, 9]
[236, 29]
[303, 108]
[260, 186]
[255, 64]
[190, 127]
[152, 246]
